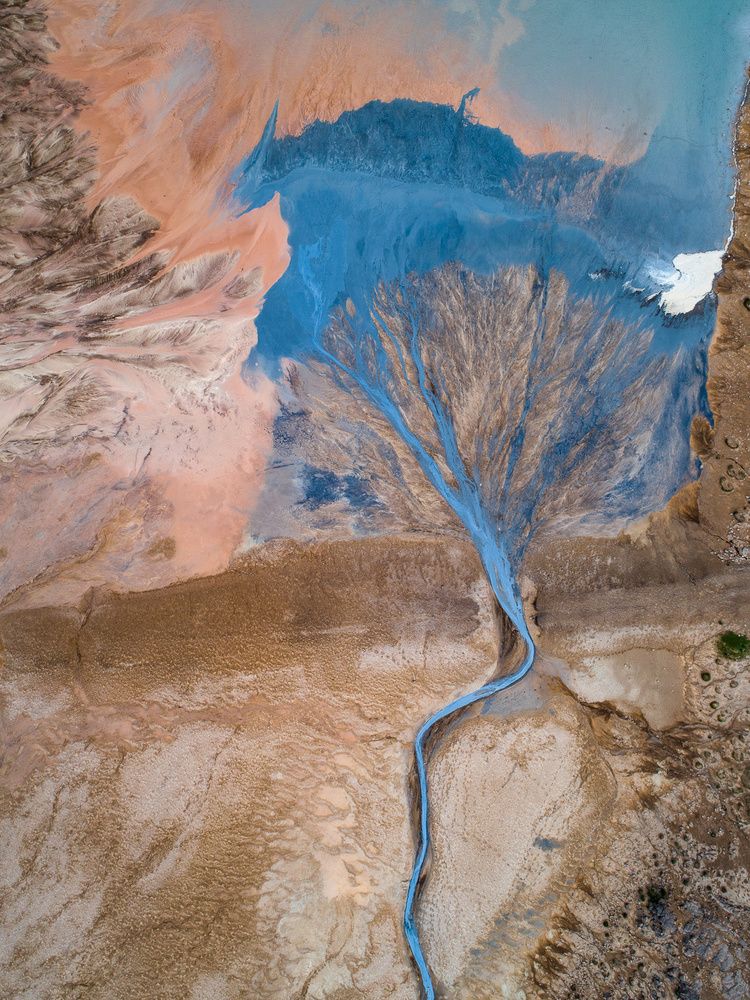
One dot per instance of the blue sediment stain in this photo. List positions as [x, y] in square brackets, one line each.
[407, 186]
[395, 189]
[322, 487]
[548, 843]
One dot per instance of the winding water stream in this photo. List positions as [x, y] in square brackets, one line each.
[410, 928]
[528, 369]
[464, 494]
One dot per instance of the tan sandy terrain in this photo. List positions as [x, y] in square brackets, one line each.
[204, 789]
[631, 745]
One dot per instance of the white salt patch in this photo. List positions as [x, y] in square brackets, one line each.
[690, 282]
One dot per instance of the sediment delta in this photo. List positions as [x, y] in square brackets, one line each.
[206, 789]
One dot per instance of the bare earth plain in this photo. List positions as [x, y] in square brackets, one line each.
[205, 789]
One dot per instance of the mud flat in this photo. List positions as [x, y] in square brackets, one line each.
[204, 788]
[592, 825]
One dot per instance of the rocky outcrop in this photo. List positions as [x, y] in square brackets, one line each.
[724, 495]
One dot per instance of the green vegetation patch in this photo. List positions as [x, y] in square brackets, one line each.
[732, 646]
[655, 893]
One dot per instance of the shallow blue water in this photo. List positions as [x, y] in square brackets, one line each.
[395, 189]
[673, 69]
[408, 186]
[404, 187]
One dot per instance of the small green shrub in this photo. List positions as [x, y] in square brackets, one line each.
[732, 646]
[656, 894]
